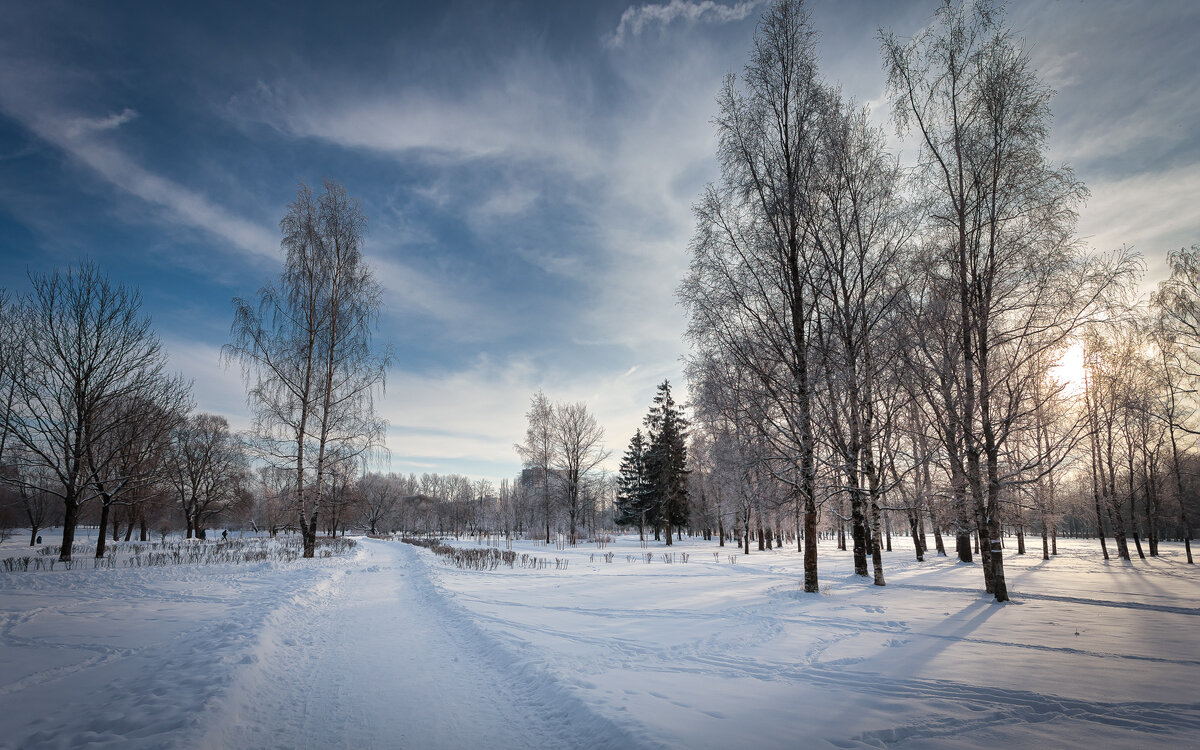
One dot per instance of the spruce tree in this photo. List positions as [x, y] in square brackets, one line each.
[634, 500]
[666, 461]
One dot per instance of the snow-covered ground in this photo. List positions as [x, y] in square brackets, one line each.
[391, 646]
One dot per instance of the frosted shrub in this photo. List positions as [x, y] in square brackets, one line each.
[488, 558]
[193, 552]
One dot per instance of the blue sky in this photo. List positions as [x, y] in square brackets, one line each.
[527, 170]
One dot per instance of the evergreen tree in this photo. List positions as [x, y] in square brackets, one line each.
[666, 461]
[634, 501]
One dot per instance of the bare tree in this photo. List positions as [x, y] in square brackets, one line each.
[578, 451]
[129, 455]
[537, 452]
[208, 470]
[1000, 228]
[748, 292]
[306, 353]
[272, 507]
[10, 366]
[37, 505]
[858, 233]
[1177, 303]
[85, 349]
[378, 495]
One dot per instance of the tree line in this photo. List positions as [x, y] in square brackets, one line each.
[91, 420]
[870, 339]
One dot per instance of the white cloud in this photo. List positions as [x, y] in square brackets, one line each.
[215, 388]
[636, 18]
[410, 290]
[630, 169]
[523, 110]
[479, 411]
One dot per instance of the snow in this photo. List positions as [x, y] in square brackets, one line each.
[392, 646]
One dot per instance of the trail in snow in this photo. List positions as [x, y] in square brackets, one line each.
[374, 656]
[393, 647]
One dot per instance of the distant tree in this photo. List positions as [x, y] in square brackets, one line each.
[578, 453]
[341, 494]
[537, 452]
[378, 495]
[208, 471]
[305, 350]
[37, 506]
[272, 505]
[666, 461]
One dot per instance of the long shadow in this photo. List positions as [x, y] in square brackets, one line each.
[1193, 611]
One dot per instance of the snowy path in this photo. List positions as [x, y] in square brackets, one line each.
[374, 656]
[389, 646]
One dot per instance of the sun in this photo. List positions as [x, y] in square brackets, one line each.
[1068, 370]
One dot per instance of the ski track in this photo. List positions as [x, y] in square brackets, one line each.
[729, 647]
[377, 656]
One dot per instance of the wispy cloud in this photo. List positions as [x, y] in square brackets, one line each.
[410, 290]
[80, 126]
[490, 398]
[32, 96]
[636, 19]
[523, 109]
[1154, 213]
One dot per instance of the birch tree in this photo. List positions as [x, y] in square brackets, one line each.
[537, 452]
[578, 442]
[748, 292]
[1002, 219]
[305, 347]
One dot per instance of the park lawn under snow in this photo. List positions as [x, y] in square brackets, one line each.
[392, 646]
